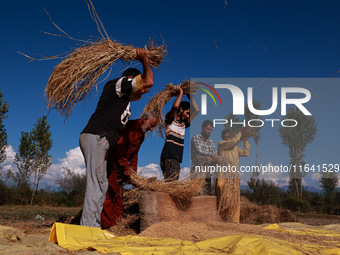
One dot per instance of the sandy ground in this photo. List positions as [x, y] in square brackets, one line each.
[199, 231]
[31, 236]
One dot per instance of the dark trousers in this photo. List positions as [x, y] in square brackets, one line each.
[171, 169]
[113, 204]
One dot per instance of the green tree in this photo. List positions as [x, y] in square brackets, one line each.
[329, 181]
[42, 143]
[296, 139]
[73, 184]
[268, 192]
[23, 160]
[3, 135]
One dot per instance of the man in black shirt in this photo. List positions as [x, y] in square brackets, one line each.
[104, 130]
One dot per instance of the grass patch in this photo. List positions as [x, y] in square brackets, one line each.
[27, 213]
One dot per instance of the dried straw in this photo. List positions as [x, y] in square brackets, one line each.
[123, 226]
[229, 194]
[247, 132]
[184, 188]
[227, 200]
[72, 80]
[228, 191]
[130, 197]
[251, 213]
[157, 103]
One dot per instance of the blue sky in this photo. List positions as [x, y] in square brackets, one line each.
[243, 39]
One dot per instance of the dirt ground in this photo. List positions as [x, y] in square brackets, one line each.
[28, 234]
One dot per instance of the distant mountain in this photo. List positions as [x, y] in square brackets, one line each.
[314, 189]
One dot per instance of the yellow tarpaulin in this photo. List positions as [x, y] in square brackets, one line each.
[301, 229]
[73, 237]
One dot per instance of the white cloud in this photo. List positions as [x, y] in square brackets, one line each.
[315, 176]
[9, 161]
[153, 169]
[74, 160]
[185, 171]
[314, 180]
[276, 174]
[150, 170]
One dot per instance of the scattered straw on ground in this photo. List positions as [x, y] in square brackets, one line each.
[123, 226]
[258, 214]
[199, 231]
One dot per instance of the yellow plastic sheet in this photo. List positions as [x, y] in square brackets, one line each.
[301, 229]
[73, 237]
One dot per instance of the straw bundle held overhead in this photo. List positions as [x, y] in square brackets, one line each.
[184, 188]
[247, 132]
[157, 103]
[78, 73]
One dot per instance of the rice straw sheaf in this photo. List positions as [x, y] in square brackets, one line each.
[227, 195]
[72, 79]
[130, 197]
[184, 188]
[247, 132]
[158, 101]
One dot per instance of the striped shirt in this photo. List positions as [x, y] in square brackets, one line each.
[174, 143]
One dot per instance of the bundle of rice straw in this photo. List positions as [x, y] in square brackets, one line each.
[130, 197]
[247, 132]
[72, 79]
[227, 192]
[227, 197]
[158, 101]
[184, 188]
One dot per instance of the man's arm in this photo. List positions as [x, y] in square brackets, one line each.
[147, 77]
[214, 152]
[196, 109]
[177, 102]
[134, 161]
[229, 144]
[245, 151]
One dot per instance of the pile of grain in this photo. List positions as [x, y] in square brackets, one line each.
[200, 231]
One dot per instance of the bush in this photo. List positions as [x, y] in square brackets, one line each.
[264, 192]
[297, 204]
[4, 193]
[74, 185]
